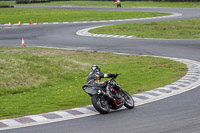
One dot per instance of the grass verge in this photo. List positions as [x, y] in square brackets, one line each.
[6, 3]
[38, 80]
[124, 4]
[178, 29]
[62, 15]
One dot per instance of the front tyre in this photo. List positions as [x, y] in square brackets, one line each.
[100, 104]
[129, 102]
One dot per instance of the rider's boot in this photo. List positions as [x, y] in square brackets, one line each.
[108, 91]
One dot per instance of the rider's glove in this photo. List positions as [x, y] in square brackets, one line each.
[112, 75]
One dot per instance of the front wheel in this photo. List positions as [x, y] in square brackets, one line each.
[129, 102]
[100, 104]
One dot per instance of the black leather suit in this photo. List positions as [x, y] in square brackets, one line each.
[94, 78]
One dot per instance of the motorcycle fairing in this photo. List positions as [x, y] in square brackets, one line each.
[91, 89]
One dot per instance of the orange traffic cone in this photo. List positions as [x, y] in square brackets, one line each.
[19, 24]
[37, 21]
[9, 24]
[23, 43]
[30, 22]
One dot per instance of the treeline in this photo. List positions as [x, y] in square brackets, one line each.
[137, 0]
[112, 0]
[31, 1]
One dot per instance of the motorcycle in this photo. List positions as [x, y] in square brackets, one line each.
[117, 98]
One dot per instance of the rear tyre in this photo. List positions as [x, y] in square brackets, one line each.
[129, 102]
[100, 104]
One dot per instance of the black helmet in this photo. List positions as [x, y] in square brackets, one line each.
[95, 68]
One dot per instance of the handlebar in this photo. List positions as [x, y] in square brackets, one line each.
[115, 76]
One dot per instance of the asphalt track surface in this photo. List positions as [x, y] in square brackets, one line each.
[176, 114]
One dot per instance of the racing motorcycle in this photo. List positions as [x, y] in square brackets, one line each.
[117, 98]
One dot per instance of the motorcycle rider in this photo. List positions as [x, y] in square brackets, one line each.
[95, 76]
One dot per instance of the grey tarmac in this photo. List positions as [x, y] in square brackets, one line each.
[175, 114]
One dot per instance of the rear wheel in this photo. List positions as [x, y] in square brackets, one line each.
[129, 102]
[100, 104]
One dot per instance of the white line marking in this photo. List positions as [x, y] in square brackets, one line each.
[62, 113]
[11, 122]
[38, 118]
[83, 110]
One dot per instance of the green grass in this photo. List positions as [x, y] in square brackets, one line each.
[124, 4]
[61, 15]
[38, 80]
[178, 29]
[5, 3]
